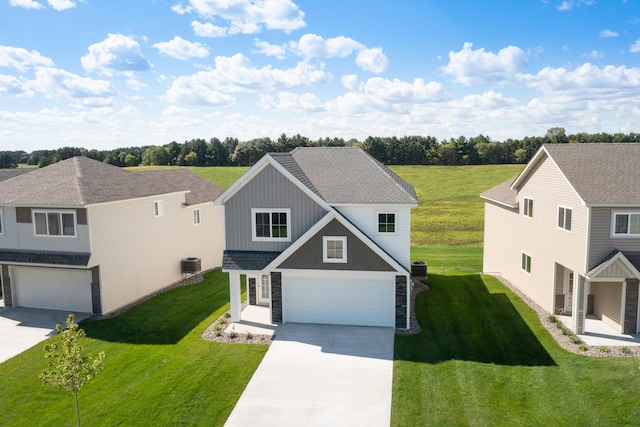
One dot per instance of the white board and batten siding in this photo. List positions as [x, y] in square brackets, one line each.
[362, 300]
[52, 288]
[397, 244]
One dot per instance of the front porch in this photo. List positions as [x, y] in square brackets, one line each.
[255, 320]
[598, 333]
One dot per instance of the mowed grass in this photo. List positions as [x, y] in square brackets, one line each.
[158, 369]
[450, 210]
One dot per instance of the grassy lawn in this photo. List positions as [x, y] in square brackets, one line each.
[157, 368]
[483, 358]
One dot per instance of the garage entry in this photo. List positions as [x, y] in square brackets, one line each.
[362, 301]
[52, 288]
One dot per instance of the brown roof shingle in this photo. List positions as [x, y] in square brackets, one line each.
[80, 181]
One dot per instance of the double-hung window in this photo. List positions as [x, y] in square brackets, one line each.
[564, 218]
[527, 207]
[158, 208]
[196, 216]
[334, 248]
[626, 224]
[526, 263]
[386, 223]
[51, 223]
[271, 224]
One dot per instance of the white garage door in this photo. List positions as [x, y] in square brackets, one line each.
[339, 301]
[52, 289]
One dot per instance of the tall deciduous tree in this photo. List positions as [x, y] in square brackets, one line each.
[69, 366]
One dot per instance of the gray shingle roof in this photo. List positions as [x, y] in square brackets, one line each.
[201, 190]
[600, 173]
[6, 174]
[502, 193]
[346, 175]
[80, 181]
[247, 260]
[632, 256]
[41, 257]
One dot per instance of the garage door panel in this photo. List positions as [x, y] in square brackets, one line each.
[343, 301]
[52, 289]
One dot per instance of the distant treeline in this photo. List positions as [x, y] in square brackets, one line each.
[406, 150]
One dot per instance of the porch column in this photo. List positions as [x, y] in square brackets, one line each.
[579, 304]
[235, 293]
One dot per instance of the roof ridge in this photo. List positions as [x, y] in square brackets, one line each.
[397, 179]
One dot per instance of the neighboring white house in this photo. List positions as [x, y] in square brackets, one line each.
[323, 236]
[84, 236]
[566, 231]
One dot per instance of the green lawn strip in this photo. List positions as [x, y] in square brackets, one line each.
[158, 369]
[483, 358]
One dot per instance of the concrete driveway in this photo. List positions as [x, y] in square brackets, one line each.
[22, 328]
[321, 375]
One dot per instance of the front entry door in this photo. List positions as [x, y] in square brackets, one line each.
[263, 289]
[568, 289]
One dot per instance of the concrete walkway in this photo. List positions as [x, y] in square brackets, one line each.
[321, 375]
[22, 328]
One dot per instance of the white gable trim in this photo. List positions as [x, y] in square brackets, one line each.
[618, 258]
[265, 161]
[534, 161]
[319, 226]
[498, 202]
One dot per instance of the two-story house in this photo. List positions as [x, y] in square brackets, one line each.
[323, 236]
[84, 236]
[566, 232]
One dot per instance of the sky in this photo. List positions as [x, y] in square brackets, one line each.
[106, 74]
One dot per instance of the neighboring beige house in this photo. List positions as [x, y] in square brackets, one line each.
[84, 236]
[566, 232]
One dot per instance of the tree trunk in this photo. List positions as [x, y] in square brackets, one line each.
[77, 408]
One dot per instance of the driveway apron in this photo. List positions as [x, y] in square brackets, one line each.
[22, 328]
[321, 375]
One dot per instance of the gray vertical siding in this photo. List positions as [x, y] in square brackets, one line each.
[601, 242]
[607, 302]
[268, 189]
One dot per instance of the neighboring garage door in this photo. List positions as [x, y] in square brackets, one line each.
[52, 289]
[339, 301]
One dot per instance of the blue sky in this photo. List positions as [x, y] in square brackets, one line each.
[108, 74]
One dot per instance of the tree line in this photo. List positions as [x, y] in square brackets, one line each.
[405, 150]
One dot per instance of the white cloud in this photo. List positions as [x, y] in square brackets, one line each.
[57, 83]
[608, 33]
[244, 16]
[594, 54]
[21, 59]
[237, 74]
[349, 81]
[470, 67]
[571, 4]
[314, 46]
[182, 49]
[373, 60]
[61, 4]
[292, 101]
[635, 47]
[115, 54]
[27, 4]
[269, 49]
[208, 29]
[10, 85]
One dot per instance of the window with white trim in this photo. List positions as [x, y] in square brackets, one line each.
[334, 248]
[527, 207]
[386, 223]
[196, 216]
[271, 224]
[625, 224]
[158, 208]
[54, 223]
[526, 263]
[564, 218]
